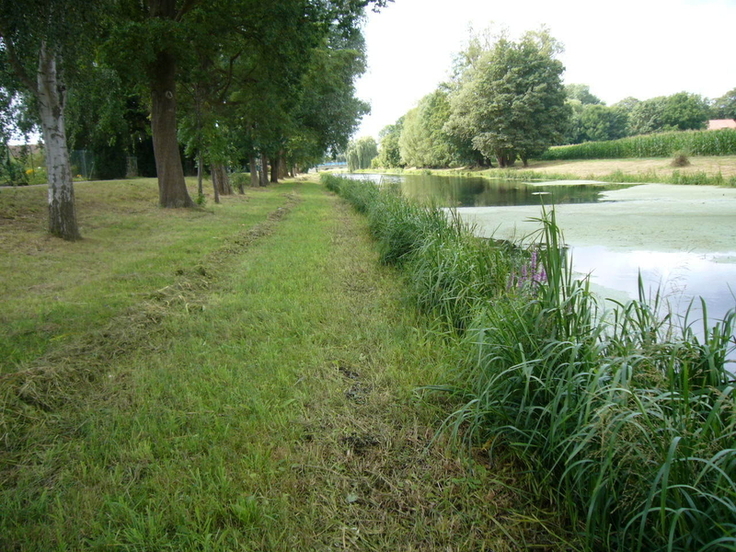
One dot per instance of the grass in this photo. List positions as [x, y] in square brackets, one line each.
[703, 170]
[626, 418]
[236, 378]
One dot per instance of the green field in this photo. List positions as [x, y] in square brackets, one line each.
[241, 377]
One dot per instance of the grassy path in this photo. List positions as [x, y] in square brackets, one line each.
[262, 397]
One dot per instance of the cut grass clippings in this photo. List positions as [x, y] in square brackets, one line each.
[238, 378]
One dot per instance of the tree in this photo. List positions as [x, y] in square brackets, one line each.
[424, 141]
[327, 112]
[511, 102]
[40, 41]
[361, 152]
[389, 151]
[600, 122]
[581, 92]
[681, 111]
[685, 111]
[96, 115]
[725, 106]
[157, 38]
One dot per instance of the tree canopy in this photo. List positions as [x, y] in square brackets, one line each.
[233, 79]
[511, 102]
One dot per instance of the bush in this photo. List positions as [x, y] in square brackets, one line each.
[680, 160]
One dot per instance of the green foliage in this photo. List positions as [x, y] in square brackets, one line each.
[12, 172]
[594, 122]
[681, 111]
[725, 106]
[361, 152]
[423, 141]
[511, 102]
[581, 93]
[389, 151]
[626, 416]
[706, 142]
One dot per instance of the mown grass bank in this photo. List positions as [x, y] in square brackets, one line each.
[629, 419]
[241, 377]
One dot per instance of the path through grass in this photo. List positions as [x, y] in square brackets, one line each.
[237, 379]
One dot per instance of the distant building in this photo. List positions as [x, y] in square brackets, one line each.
[717, 124]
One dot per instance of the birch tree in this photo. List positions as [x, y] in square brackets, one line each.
[37, 38]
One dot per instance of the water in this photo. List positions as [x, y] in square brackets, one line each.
[681, 277]
[461, 191]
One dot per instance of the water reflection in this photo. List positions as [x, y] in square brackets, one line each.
[462, 191]
[681, 277]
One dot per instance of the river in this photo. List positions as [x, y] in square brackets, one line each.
[682, 239]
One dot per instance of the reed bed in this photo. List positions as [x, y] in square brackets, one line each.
[665, 144]
[626, 416]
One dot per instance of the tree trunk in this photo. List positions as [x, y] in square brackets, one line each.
[221, 178]
[283, 171]
[275, 169]
[253, 171]
[51, 98]
[200, 170]
[172, 189]
[215, 184]
[264, 170]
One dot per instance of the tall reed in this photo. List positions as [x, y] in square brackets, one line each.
[628, 417]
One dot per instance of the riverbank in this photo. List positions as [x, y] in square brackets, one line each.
[611, 410]
[240, 377]
[702, 170]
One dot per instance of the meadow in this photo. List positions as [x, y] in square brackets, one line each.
[245, 376]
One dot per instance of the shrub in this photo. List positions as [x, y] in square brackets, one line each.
[680, 160]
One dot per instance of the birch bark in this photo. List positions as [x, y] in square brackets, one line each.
[51, 96]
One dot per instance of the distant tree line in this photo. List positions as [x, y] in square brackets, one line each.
[267, 84]
[506, 102]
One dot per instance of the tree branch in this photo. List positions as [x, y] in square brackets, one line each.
[17, 66]
[188, 6]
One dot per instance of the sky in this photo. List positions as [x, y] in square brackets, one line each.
[639, 48]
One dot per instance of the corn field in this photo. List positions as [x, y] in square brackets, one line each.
[666, 144]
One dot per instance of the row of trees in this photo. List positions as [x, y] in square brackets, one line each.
[267, 82]
[506, 101]
[592, 120]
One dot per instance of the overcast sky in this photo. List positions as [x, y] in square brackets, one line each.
[639, 48]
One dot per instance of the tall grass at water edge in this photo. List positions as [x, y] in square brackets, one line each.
[628, 417]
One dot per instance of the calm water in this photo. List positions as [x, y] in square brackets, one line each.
[462, 191]
[682, 277]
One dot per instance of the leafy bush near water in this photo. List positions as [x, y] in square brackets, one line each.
[628, 417]
[666, 144]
